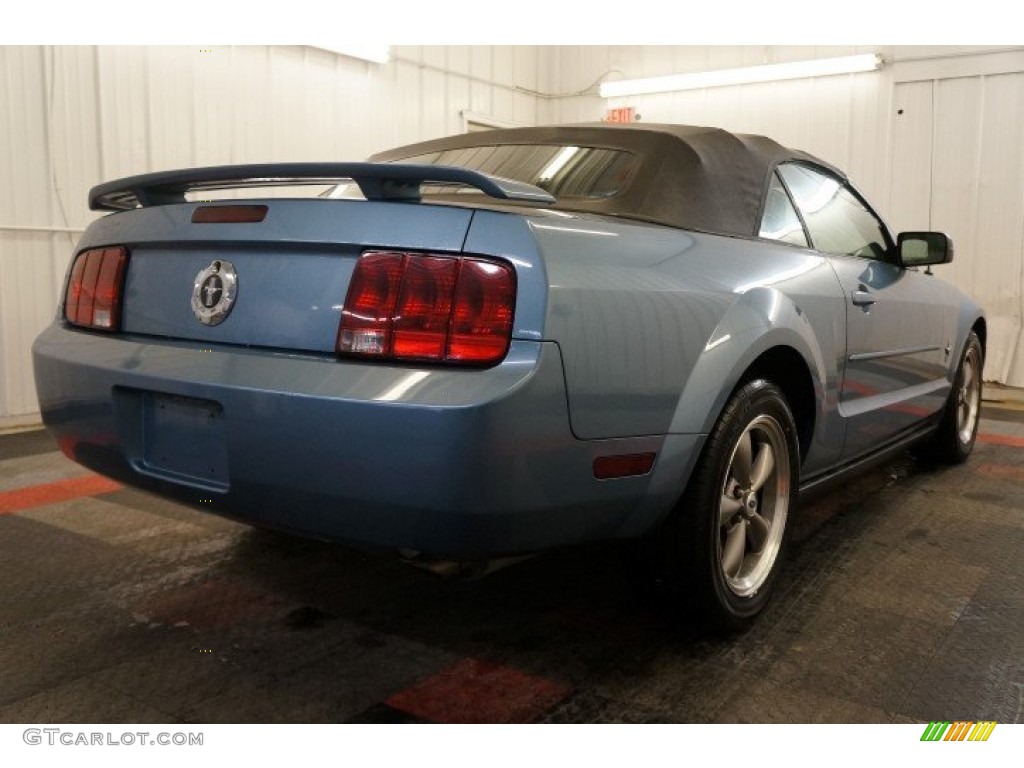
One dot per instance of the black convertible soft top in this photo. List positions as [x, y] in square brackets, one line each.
[684, 176]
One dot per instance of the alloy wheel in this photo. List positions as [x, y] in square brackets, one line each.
[754, 506]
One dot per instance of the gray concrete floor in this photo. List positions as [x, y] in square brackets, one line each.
[901, 602]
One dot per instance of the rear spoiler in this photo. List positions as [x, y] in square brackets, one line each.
[377, 181]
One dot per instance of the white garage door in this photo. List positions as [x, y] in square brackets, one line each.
[959, 167]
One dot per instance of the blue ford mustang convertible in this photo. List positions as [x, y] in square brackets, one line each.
[503, 342]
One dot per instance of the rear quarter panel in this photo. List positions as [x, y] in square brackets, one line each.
[657, 325]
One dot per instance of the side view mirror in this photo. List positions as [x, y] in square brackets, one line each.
[919, 249]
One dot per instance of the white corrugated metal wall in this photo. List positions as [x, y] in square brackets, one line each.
[952, 160]
[71, 117]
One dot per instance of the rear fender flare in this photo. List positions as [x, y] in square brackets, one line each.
[762, 319]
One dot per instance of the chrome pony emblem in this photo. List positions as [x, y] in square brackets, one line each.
[214, 291]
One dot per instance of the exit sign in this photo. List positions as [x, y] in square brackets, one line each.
[621, 115]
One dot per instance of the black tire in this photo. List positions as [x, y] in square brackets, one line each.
[954, 439]
[718, 555]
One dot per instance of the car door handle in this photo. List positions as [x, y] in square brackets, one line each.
[863, 298]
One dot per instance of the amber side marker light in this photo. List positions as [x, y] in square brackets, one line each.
[229, 214]
[626, 465]
[95, 288]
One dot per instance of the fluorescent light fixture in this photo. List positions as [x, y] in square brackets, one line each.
[864, 62]
[377, 54]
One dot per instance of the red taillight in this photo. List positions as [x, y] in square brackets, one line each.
[366, 321]
[94, 290]
[411, 306]
[482, 318]
[424, 307]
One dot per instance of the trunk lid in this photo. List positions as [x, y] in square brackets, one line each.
[292, 268]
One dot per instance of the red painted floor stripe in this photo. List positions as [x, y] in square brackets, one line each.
[476, 691]
[993, 439]
[52, 493]
[1003, 471]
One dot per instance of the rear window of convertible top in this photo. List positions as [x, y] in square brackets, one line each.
[564, 171]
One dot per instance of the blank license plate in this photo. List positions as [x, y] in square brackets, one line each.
[184, 438]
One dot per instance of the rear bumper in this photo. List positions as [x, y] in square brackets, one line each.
[460, 463]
